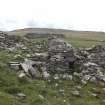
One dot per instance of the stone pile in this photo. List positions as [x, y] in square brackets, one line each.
[62, 60]
[7, 41]
[61, 56]
[2, 39]
[92, 64]
[58, 59]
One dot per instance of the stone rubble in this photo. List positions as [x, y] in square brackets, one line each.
[8, 41]
[61, 58]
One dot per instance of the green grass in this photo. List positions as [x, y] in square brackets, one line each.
[10, 84]
[85, 42]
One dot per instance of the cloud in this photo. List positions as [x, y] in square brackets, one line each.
[2, 28]
[78, 14]
[31, 23]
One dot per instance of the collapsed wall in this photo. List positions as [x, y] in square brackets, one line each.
[87, 64]
[61, 56]
[8, 41]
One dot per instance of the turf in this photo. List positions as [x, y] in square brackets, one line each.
[43, 92]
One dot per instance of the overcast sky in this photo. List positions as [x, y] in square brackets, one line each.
[68, 14]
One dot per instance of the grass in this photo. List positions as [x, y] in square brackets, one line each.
[10, 85]
[43, 92]
[85, 41]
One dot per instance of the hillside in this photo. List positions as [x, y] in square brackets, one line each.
[77, 38]
[54, 31]
[15, 90]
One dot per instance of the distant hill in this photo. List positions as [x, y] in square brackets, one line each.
[69, 34]
[39, 31]
[56, 31]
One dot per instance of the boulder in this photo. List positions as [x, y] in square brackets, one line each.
[28, 68]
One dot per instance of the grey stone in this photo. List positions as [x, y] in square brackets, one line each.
[93, 79]
[76, 93]
[78, 87]
[21, 74]
[14, 65]
[28, 67]
[83, 82]
[41, 97]
[93, 94]
[21, 95]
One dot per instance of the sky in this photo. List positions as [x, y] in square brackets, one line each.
[85, 15]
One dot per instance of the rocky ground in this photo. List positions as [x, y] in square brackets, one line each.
[32, 72]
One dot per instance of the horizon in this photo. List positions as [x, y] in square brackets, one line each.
[51, 29]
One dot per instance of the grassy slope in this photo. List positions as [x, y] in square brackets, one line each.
[86, 39]
[9, 83]
[77, 38]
